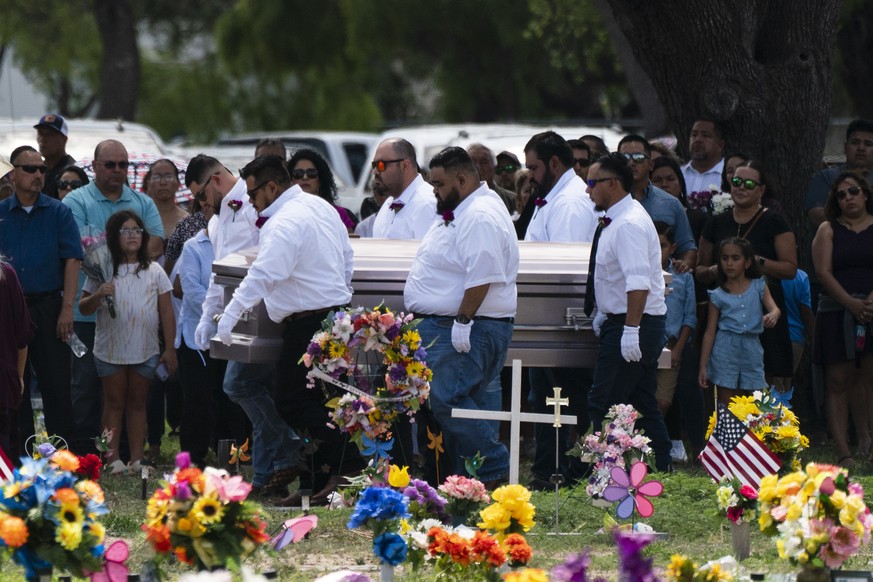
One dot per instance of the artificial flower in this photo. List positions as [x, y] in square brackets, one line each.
[398, 477]
[390, 547]
[65, 461]
[207, 510]
[13, 530]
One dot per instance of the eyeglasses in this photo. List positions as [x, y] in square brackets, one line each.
[507, 169]
[254, 191]
[201, 195]
[850, 191]
[110, 165]
[380, 165]
[310, 173]
[584, 162]
[748, 183]
[636, 158]
[33, 168]
[163, 178]
[593, 182]
[130, 231]
[71, 185]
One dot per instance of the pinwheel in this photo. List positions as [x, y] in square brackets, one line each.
[294, 530]
[630, 491]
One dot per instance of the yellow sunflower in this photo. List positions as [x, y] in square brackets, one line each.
[207, 510]
[69, 535]
[98, 531]
[71, 513]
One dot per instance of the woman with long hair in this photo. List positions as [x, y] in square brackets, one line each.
[311, 172]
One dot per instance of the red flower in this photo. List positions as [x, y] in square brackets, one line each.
[448, 216]
[748, 492]
[518, 549]
[735, 514]
[539, 202]
[89, 466]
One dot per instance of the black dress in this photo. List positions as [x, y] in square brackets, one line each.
[778, 356]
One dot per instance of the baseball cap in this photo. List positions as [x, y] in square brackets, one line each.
[5, 166]
[56, 122]
[509, 156]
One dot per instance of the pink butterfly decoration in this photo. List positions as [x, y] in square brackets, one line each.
[294, 530]
[631, 492]
[114, 567]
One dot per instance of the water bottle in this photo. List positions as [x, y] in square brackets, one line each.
[79, 349]
[860, 337]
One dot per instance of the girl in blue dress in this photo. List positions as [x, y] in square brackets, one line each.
[731, 356]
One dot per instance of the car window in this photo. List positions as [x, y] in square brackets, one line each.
[357, 154]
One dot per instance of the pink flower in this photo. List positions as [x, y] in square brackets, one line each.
[779, 512]
[748, 492]
[844, 541]
[831, 559]
[735, 514]
[827, 486]
[231, 488]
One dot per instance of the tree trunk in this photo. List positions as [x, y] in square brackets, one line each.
[120, 65]
[855, 43]
[762, 68]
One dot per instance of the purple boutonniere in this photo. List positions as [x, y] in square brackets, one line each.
[261, 220]
[234, 205]
[448, 217]
[539, 202]
[604, 221]
[396, 206]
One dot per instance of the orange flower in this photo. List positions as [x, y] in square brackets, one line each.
[92, 490]
[518, 549]
[193, 476]
[66, 496]
[66, 461]
[159, 536]
[487, 549]
[13, 531]
[182, 555]
[256, 531]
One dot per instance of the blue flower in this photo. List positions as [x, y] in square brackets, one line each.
[390, 548]
[379, 503]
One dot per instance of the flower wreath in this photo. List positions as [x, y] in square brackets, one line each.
[375, 393]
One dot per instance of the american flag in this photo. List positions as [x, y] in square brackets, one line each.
[733, 451]
[5, 467]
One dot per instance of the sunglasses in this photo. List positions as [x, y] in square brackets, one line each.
[748, 183]
[254, 191]
[592, 183]
[33, 169]
[110, 165]
[130, 231]
[636, 158]
[380, 165]
[584, 162]
[507, 169]
[310, 173]
[71, 185]
[850, 191]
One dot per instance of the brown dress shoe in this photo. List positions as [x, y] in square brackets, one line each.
[277, 486]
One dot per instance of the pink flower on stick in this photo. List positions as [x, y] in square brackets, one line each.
[630, 491]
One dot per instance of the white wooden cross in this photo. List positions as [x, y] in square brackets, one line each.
[515, 417]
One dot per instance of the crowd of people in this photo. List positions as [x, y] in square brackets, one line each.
[737, 317]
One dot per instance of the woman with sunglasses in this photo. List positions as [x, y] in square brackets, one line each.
[842, 253]
[312, 173]
[775, 252]
[71, 178]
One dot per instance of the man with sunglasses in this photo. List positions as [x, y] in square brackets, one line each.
[411, 208]
[92, 205]
[51, 136]
[507, 166]
[581, 157]
[660, 205]
[40, 238]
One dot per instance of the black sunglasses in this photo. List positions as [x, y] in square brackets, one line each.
[748, 183]
[254, 191]
[853, 190]
[637, 158]
[110, 165]
[310, 173]
[72, 184]
[33, 169]
[584, 162]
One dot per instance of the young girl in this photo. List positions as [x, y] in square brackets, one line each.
[126, 347]
[734, 355]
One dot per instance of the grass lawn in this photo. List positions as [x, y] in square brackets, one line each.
[680, 512]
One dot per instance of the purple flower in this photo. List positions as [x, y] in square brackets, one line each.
[314, 349]
[539, 202]
[574, 568]
[183, 491]
[425, 501]
[392, 332]
[46, 450]
[420, 355]
[183, 460]
[448, 217]
[397, 373]
[632, 564]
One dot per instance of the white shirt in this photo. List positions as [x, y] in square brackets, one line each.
[567, 216]
[479, 246]
[698, 182]
[629, 259]
[414, 219]
[365, 227]
[304, 262]
[230, 231]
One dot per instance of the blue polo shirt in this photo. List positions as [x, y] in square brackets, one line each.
[92, 209]
[37, 243]
[666, 208]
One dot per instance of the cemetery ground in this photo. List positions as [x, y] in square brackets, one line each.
[682, 511]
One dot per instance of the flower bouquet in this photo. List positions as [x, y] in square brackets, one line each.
[776, 426]
[817, 516]
[618, 444]
[465, 496]
[381, 510]
[511, 512]
[739, 503]
[203, 518]
[48, 517]
[712, 200]
[375, 391]
[465, 554]
[683, 569]
[97, 264]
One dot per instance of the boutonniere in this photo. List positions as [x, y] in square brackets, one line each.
[261, 220]
[234, 205]
[604, 221]
[448, 217]
[396, 206]
[539, 202]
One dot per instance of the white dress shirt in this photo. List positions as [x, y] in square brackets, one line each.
[629, 259]
[230, 231]
[479, 246]
[701, 181]
[567, 216]
[414, 219]
[304, 262]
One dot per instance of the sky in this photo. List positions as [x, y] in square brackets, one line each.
[17, 97]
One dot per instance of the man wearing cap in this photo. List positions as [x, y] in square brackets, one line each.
[51, 135]
[507, 166]
[40, 238]
[410, 209]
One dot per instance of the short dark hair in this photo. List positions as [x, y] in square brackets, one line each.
[859, 125]
[148, 175]
[272, 142]
[832, 208]
[454, 159]
[326, 181]
[266, 168]
[616, 164]
[634, 138]
[78, 171]
[668, 162]
[200, 167]
[548, 144]
[20, 150]
[717, 127]
[578, 144]
[662, 228]
[602, 150]
[113, 240]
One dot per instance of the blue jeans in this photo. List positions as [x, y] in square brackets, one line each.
[619, 382]
[274, 445]
[472, 381]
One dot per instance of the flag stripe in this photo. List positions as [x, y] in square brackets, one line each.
[5, 466]
[734, 451]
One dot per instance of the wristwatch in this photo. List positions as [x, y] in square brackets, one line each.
[462, 319]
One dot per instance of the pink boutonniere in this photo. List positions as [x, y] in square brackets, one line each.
[539, 202]
[604, 221]
[448, 217]
[234, 205]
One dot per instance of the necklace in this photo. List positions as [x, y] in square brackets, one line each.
[740, 225]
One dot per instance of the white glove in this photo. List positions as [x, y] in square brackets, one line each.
[204, 332]
[597, 321]
[461, 336]
[225, 329]
[630, 344]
